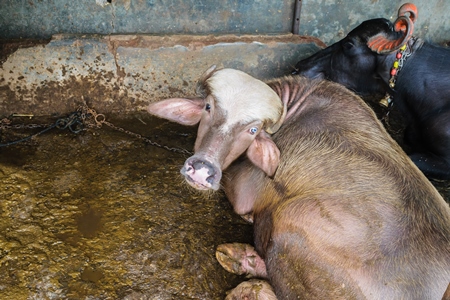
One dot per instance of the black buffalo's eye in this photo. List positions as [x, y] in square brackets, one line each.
[348, 45]
[208, 107]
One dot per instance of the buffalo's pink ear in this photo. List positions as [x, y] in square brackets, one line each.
[181, 110]
[264, 154]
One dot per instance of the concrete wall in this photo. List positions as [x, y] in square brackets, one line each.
[123, 73]
[167, 46]
[328, 20]
[43, 18]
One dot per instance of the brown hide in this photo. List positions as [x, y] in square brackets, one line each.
[347, 214]
[447, 293]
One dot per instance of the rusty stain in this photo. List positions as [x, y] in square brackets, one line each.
[112, 47]
[62, 100]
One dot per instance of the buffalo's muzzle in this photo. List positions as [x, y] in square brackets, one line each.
[201, 174]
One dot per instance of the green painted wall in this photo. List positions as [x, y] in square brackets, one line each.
[328, 20]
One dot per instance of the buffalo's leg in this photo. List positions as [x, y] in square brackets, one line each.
[241, 259]
[254, 289]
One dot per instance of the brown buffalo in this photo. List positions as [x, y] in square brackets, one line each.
[339, 210]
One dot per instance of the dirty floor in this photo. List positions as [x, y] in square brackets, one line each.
[102, 214]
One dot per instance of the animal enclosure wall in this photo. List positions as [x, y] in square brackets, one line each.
[123, 54]
[328, 20]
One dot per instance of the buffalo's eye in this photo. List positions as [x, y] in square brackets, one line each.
[348, 45]
[253, 130]
[208, 107]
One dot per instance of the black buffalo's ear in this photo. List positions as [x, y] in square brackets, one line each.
[408, 10]
[390, 41]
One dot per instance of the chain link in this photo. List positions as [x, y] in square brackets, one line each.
[84, 117]
[5, 124]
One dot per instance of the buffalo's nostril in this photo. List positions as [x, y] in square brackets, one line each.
[201, 164]
[210, 179]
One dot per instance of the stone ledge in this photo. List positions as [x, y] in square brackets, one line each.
[123, 73]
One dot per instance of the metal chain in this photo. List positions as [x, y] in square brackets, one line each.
[93, 119]
[72, 123]
[28, 137]
[84, 117]
[6, 124]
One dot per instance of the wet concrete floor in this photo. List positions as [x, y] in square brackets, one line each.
[103, 215]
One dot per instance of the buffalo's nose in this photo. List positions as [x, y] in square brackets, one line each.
[200, 173]
[206, 169]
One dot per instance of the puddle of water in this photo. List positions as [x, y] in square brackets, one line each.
[101, 215]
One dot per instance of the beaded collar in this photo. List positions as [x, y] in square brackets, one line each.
[402, 54]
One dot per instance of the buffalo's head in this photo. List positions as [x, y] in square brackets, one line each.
[362, 60]
[235, 113]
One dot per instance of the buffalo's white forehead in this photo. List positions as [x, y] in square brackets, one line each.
[244, 98]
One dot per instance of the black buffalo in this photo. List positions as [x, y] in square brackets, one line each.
[366, 62]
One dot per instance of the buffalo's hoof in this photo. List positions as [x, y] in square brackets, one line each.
[241, 259]
[248, 217]
[253, 289]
